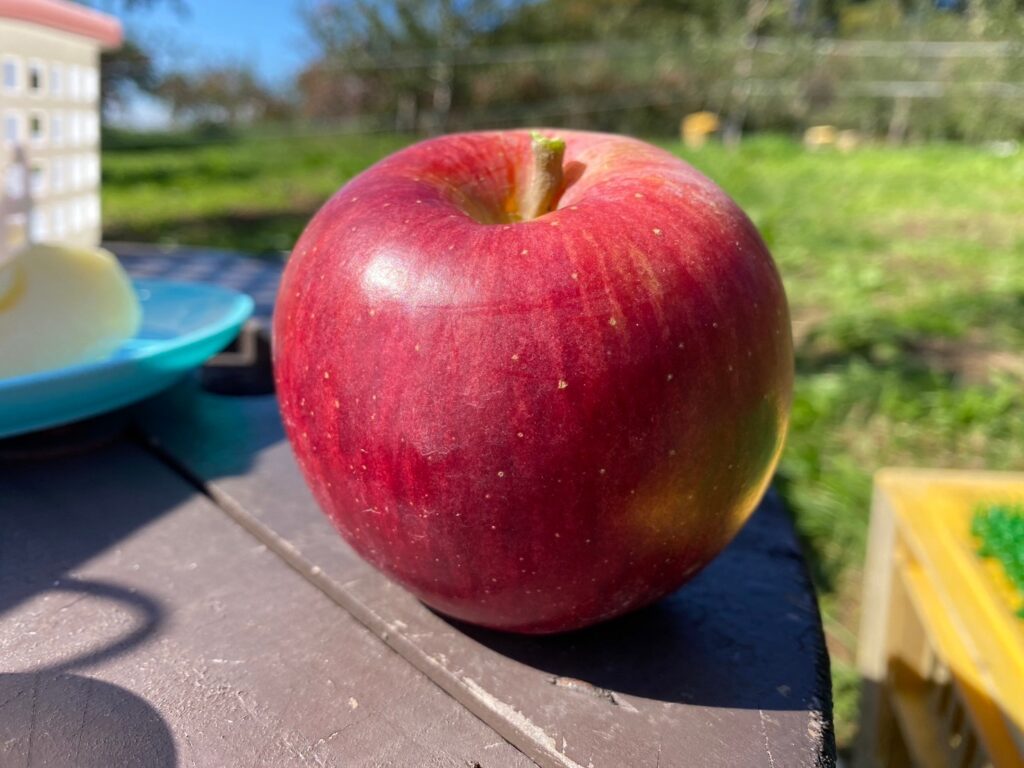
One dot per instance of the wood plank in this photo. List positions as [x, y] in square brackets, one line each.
[140, 626]
[731, 670]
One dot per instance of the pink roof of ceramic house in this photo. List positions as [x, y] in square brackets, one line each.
[67, 17]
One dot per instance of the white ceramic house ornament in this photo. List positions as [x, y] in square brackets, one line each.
[50, 122]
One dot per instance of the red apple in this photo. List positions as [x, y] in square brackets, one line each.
[535, 401]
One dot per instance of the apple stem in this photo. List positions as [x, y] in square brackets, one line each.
[545, 180]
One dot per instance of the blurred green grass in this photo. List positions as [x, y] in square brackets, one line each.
[904, 269]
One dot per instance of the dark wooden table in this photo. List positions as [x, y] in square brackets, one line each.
[171, 596]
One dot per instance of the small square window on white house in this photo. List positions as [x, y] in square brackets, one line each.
[37, 126]
[77, 207]
[92, 130]
[56, 128]
[57, 222]
[92, 170]
[57, 175]
[12, 74]
[14, 182]
[12, 127]
[74, 83]
[86, 161]
[74, 129]
[36, 77]
[77, 172]
[56, 80]
[69, 173]
[37, 230]
[93, 210]
[37, 179]
[91, 86]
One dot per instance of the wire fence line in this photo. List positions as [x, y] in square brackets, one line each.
[926, 49]
[970, 90]
[902, 89]
[974, 87]
[619, 49]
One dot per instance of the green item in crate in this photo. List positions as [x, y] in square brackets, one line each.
[1000, 530]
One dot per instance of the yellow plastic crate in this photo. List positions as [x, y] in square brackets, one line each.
[941, 650]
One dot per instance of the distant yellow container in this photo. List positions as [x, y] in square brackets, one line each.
[818, 136]
[696, 127]
[941, 650]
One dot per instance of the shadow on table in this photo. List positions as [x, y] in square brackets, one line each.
[222, 435]
[66, 497]
[59, 719]
[60, 508]
[738, 636]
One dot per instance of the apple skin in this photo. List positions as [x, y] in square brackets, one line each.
[534, 426]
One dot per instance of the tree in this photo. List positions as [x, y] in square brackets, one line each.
[130, 67]
[122, 71]
[231, 95]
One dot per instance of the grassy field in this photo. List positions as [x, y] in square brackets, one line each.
[904, 269]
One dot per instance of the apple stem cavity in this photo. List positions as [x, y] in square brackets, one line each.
[545, 177]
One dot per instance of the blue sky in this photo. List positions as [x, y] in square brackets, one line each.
[266, 34]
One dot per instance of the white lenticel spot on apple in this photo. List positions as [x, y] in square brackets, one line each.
[612, 321]
[501, 473]
[515, 357]
[327, 374]
[637, 195]
[524, 251]
[519, 434]
[669, 377]
[386, 205]
[554, 223]
[337, 404]
[656, 231]
[562, 383]
[575, 276]
[601, 471]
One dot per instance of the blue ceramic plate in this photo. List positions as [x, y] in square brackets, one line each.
[183, 324]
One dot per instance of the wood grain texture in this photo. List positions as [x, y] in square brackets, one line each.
[729, 671]
[140, 626]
